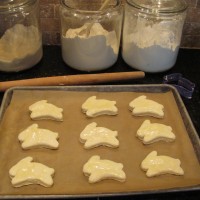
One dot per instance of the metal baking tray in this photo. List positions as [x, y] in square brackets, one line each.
[115, 89]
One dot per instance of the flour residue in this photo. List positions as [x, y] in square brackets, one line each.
[151, 46]
[20, 48]
[96, 51]
[161, 34]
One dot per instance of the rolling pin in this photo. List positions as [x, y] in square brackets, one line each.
[73, 79]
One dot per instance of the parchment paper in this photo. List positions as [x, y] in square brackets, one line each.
[69, 159]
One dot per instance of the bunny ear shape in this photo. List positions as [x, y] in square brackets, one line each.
[155, 165]
[43, 110]
[98, 170]
[94, 136]
[141, 106]
[26, 172]
[34, 137]
[153, 132]
[93, 107]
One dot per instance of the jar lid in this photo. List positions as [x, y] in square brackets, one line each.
[159, 6]
[14, 5]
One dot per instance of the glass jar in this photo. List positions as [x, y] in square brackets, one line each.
[20, 35]
[152, 33]
[90, 36]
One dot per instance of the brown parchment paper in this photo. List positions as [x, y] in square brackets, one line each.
[69, 159]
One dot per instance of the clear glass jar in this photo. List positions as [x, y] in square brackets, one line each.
[152, 33]
[90, 36]
[20, 35]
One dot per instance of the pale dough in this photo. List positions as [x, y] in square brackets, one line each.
[153, 132]
[34, 137]
[26, 172]
[155, 165]
[43, 110]
[94, 107]
[98, 170]
[94, 136]
[141, 106]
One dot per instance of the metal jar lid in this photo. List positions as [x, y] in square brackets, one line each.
[159, 6]
[10, 6]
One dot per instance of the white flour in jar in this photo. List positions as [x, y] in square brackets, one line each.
[20, 48]
[96, 52]
[152, 48]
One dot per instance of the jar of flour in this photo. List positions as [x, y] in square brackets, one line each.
[20, 35]
[152, 33]
[90, 34]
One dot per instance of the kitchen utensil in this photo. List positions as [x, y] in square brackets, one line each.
[73, 79]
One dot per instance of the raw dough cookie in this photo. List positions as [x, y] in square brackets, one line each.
[153, 132]
[157, 165]
[141, 106]
[94, 136]
[44, 110]
[33, 137]
[26, 172]
[98, 170]
[94, 107]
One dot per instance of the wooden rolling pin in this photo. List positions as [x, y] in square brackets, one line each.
[73, 79]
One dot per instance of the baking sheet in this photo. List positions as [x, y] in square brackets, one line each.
[68, 160]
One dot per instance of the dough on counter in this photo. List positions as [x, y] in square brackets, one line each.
[155, 165]
[98, 170]
[153, 132]
[94, 136]
[141, 106]
[43, 110]
[34, 137]
[26, 172]
[94, 107]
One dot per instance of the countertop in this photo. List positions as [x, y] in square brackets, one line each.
[188, 64]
